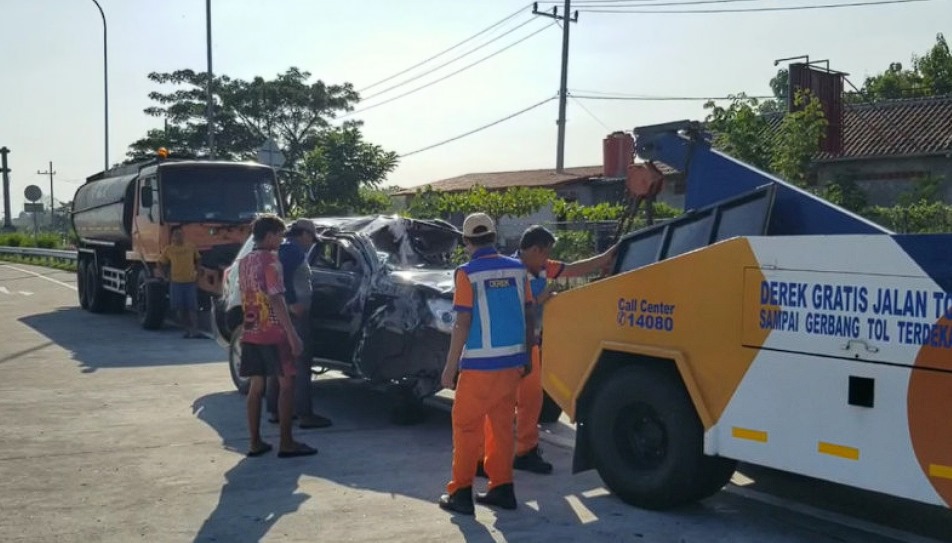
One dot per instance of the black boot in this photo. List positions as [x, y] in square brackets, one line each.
[532, 461]
[502, 496]
[460, 501]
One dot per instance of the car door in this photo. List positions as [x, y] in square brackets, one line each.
[336, 276]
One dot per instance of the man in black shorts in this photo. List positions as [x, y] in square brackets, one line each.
[269, 343]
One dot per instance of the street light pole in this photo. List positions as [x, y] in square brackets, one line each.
[105, 84]
[208, 84]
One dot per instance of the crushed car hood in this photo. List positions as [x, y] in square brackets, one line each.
[440, 281]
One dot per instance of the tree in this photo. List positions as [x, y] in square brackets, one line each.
[511, 202]
[334, 173]
[798, 139]
[780, 85]
[287, 108]
[740, 130]
[930, 75]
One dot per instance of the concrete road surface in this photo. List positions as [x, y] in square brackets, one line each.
[112, 433]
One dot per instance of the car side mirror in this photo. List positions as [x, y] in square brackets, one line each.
[145, 196]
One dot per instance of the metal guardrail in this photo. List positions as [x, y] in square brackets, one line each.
[57, 254]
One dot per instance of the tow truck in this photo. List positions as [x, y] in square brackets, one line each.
[764, 325]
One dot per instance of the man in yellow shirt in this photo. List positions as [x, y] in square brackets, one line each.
[183, 260]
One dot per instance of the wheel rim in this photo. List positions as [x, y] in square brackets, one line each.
[640, 436]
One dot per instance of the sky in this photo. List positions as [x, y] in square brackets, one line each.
[51, 83]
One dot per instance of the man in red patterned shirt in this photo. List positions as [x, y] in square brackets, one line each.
[269, 343]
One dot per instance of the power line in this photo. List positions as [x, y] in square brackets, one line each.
[590, 114]
[651, 3]
[447, 63]
[480, 129]
[445, 77]
[663, 98]
[443, 52]
[751, 10]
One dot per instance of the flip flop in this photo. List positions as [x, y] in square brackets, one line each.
[265, 447]
[300, 449]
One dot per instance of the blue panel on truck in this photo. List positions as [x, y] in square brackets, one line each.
[713, 177]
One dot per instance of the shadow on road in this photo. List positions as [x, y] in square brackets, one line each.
[363, 452]
[117, 341]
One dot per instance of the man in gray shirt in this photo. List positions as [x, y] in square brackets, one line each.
[300, 237]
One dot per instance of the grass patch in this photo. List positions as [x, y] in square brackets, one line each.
[43, 261]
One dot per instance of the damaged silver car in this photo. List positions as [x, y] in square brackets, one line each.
[381, 308]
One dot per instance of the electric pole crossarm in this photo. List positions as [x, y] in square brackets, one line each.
[555, 14]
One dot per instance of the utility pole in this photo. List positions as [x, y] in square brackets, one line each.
[209, 113]
[564, 80]
[7, 225]
[50, 173]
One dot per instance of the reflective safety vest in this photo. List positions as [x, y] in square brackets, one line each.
[497, 335]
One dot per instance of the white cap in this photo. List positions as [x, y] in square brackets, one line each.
[478, 224]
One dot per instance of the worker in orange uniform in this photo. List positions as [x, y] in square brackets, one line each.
[488, 356]
[535, 249]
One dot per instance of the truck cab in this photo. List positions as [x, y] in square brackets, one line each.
[123, 219]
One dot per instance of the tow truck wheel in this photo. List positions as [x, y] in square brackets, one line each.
[150, 302]
[647, 441]
[234, 363]
[81, 284]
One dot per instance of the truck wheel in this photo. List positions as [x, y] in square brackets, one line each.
[97, 297]
[150, 303]
[550, 410]
[234, 363]
[646, 440]
[81, 284]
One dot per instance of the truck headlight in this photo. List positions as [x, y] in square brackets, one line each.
[443, 315]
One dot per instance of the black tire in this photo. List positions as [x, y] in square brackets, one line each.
[97, 298]
[646, 440]
[550, 410]
[81, 284]
[234, 363]
[150, 302]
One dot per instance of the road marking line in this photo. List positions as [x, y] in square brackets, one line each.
[25, 293]
[829, 516]
[38, 275]
[584, 514]
[4, 290]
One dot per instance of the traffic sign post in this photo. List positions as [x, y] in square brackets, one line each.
[269, 153]
[33, 193]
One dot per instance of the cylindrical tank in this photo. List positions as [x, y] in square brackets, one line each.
[102, 210]
[617, 151]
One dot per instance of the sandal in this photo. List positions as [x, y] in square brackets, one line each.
[300, 449]
[265, 447]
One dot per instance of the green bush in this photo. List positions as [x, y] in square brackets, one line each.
[14, 239]
[44, 240]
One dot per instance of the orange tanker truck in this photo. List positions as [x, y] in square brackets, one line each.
[123, 219]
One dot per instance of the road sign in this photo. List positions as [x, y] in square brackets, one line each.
[33, 193]
[269, 153]
[36, 207]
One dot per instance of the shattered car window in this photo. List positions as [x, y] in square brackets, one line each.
[409, 243]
